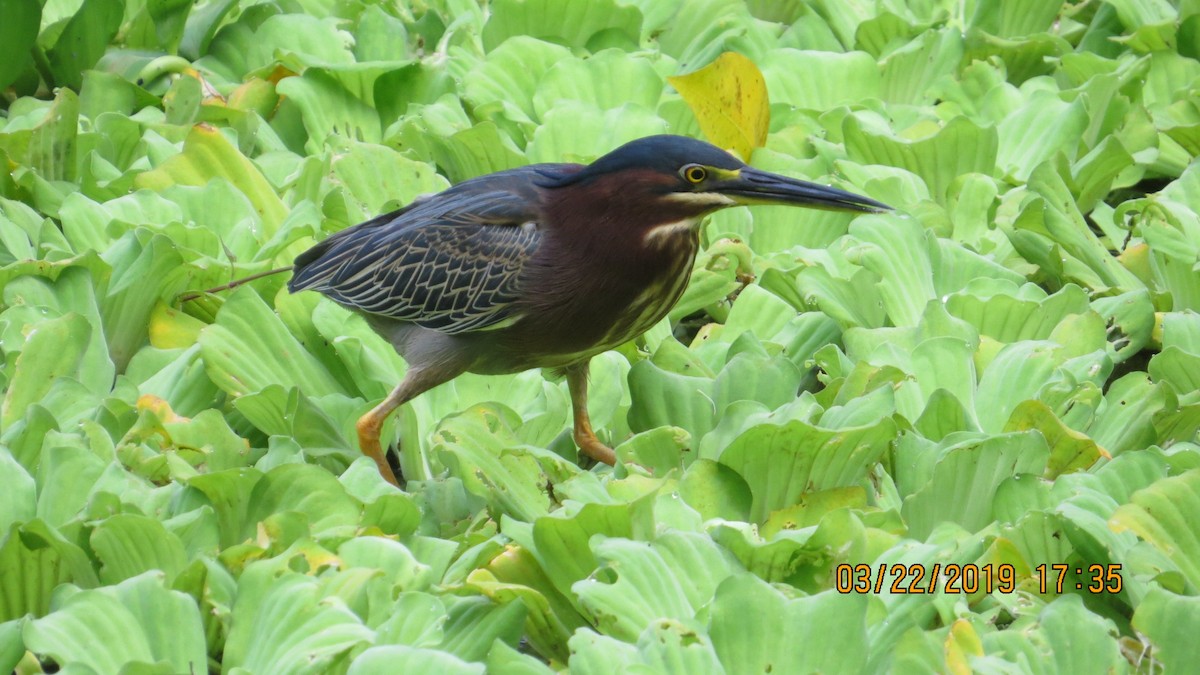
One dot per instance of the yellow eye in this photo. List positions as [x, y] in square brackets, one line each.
[694, 173]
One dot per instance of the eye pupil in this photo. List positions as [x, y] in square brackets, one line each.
[695, 174]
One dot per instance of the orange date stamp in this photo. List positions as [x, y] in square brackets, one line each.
[915, 579]
[1094, 579]
[969, 579]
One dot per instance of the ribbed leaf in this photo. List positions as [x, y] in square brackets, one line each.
[965, 479]
[669, 578]
[248, 348]
[207, 155]
[782, 462]
[1169, 620]
[128, 545]
[138, 621]
[571, 23]
[282, 626]
[939, 157]
[1163, 514]
[755, 629]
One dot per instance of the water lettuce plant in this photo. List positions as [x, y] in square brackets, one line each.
[1003, 375]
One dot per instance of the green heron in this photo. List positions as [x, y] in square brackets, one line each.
[543, 266]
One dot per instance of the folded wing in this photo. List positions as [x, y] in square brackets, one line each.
[451, 263]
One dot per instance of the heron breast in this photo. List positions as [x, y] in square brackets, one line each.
[654, 300]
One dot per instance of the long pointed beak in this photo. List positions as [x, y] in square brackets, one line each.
[754, 186]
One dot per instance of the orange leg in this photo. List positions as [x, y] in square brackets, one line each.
[369, 426]
[415, 383]
[585, 438]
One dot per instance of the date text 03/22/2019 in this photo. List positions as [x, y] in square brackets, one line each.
[973, 578]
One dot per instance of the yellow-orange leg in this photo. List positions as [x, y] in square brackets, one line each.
[585, 438]
[415, 383]
[369, 426]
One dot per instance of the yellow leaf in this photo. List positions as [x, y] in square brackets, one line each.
[1070, 450]
[172, 329]
[729, 98]
[961, 644]
[159, 408]
[256, 95]
[1136, 259]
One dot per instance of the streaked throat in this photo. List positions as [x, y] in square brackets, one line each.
[662, 234]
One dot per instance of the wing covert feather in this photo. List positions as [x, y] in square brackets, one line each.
[449, 269]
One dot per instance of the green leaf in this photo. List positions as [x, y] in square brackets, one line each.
[138, 621]
[505, 659]
[478, 448]
[18, 503]
[1033, 133]
[897, 252]
[573, 131]
[559, 541]
[648, 584]
[716, 491]
[55, 350]
[169, 18]
[392, 658]
[207, 155]
[1073, 639]
[1168, 620]
[1179, 361]
[475, 623]
[755, 629]
[509, 76]
[12, 646]
[476, 151]
[228, 494]
[1162, 514]
[307, 490]
[83, 40]
[596, 654]
[1124, 421]
[380, 180]
[1009, 314]
[1065, 224]
[281, 624]
[376, 553]
[907, 73]
[590, 82]
[1013, 19]
[50, 146]
[248, 349]
[259, 39]
[663, 398]
[328, 109]
[938, 156]
[37, 559]
[202, 25]
[1014, 375]
[965, 478]
[781, 462]
[17, 37]
[820, 80]
[128, 545]
[573, 24]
